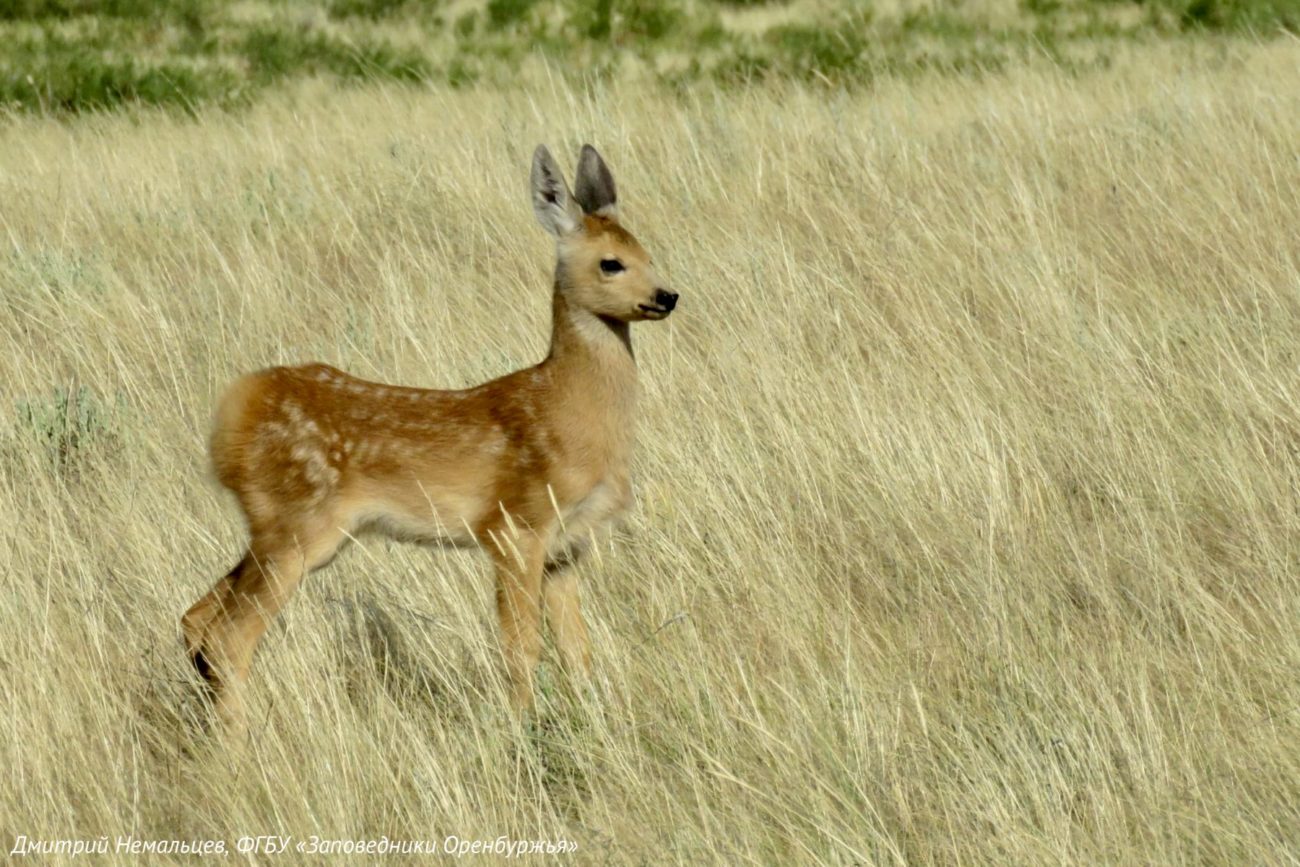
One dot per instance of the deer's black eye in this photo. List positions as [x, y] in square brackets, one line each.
[611, 266]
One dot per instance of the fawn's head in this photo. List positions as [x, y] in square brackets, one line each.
[602, 268]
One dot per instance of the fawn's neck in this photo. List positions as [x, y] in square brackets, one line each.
[594, 371]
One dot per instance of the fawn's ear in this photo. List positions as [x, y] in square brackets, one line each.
[552, 201]
[595, 185]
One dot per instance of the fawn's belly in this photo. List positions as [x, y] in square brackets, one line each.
[411, 510]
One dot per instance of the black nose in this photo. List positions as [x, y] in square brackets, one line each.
[665, 299]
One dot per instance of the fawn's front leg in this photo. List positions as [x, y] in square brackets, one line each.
[564, 614]
[519, 563]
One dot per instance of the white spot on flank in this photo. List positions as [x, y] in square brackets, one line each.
[276, 429]
[315, 470]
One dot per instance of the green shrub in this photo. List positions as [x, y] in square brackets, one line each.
[460, 73]
[274, 54]
[622, 20]
[377, 9]
[503, 14]
[647, 19]
[145, 10]
[58, 76]
[832, 53]
[69, 425]
[594, 19]
[1260, 16]
[742, 68]
[1041, 7]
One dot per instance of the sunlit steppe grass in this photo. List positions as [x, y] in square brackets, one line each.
[967, 523]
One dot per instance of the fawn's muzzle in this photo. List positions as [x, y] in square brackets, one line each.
[665, 299]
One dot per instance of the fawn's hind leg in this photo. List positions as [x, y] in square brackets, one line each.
[240, 612]
[195, 622]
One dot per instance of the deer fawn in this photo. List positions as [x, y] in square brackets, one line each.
[524, 465]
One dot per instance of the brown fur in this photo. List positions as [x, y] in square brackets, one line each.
[524, 465]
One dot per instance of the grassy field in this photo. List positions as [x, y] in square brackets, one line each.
[968, 525]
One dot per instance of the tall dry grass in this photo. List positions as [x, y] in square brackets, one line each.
[968, 525]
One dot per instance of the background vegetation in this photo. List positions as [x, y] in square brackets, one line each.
[78, 55]
[969, 469]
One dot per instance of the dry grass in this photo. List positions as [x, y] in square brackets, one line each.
[968, 527]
